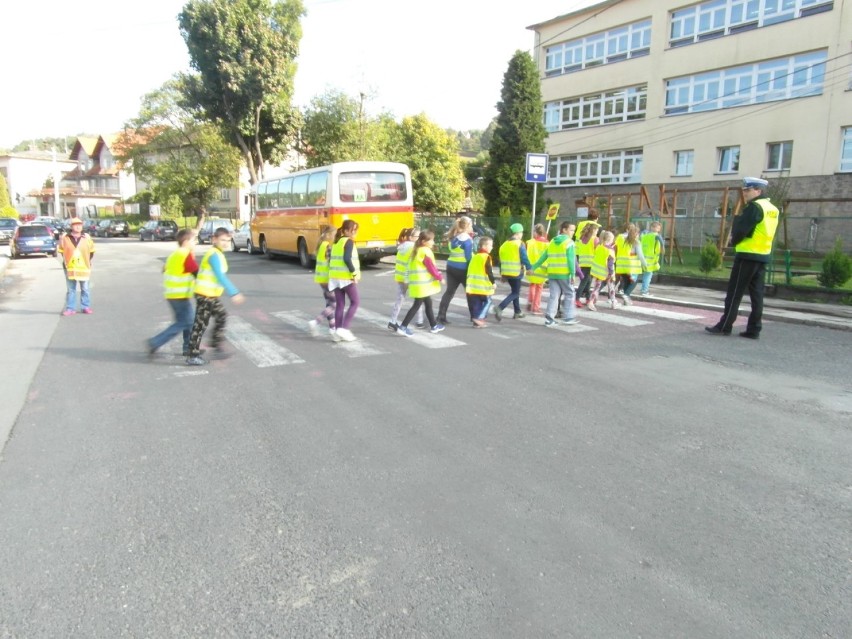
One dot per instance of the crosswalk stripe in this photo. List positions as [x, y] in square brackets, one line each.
[422, 338]
[658, 312]
[536, 320]
[610, 316]
[358, 348]
[260, 349]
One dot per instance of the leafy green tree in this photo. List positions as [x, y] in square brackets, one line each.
[6, 208]
[519, 131]
[180, 156]
[710, 258]
[432, 155]
[836, 267]
[244, 54]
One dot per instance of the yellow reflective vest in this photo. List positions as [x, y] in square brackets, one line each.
[558, 257]
[585, 251]
[456, 258]
[600, 262]
[321, 270]
[337, 268]
[477, 282]
[403, 257]
[651, 251]
[535, 248]
[177, 283]
[420, 280]
[206, 283]
[510, 258]
[627, 260]
[760, 242]
[77, 259]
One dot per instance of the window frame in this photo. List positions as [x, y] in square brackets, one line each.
[785, 155]
[690, 164]
[625, 42]
[616, 106]
[846, 150]
[724, 167]
[602, 167]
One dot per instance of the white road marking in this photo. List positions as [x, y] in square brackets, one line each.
[535, 320]
[260, 349]
[385, 273]
[358, 348]
[420, 337]
[609, 316]
[658, 312]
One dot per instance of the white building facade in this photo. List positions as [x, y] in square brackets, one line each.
[660, 92]
[26, 173]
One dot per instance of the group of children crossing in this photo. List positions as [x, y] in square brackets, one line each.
[596, 259]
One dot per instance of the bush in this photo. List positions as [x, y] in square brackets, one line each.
[9, 211]
[836, 267]
[710, 258]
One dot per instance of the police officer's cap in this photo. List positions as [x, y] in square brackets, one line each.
[755, 183]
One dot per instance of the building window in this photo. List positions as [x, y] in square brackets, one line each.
[846, 152]
[718, 18]
[224, 195]
[621, 43]
[779, 156]
[613, 107]
[683, 162]
[729, 159]
[609, 167]
[779, 79]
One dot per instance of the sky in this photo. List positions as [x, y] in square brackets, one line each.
[82, 67]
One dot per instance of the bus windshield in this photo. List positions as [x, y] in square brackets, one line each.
[362, 186]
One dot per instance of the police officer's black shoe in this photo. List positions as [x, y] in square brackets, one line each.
[750, 335]
[716, 330]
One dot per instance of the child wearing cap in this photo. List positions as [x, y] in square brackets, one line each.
[513, 261]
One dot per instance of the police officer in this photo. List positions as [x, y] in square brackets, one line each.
[751, 236]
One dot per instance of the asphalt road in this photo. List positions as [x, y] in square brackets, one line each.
[631, 479]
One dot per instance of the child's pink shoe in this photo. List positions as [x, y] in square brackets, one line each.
[68, 312]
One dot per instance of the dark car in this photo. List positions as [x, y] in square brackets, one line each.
[158, 230]
[209, 227]
[53, 223]
[7, 229]
[112, 228]
[90, 226]
[30, 239]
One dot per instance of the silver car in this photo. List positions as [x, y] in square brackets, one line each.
[7, 228]
[241, 238]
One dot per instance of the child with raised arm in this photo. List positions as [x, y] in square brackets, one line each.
[481, 283]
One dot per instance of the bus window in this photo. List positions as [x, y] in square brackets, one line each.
[284, 196]
[372, 187]
[272, 195]
[317, 187]
[300, 190]
[261, 195]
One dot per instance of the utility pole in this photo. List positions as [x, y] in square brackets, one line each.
[55, 185]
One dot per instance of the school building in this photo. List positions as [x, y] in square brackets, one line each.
[697, 96]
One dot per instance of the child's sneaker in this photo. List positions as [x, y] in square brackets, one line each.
[498, 313]
[612, 302]
[437, 328]
[571, 322]
[68, 312]
[196, 361]
[549, 321]
[591, 306]
[312, 327]
[627, 301]
[392, 326]
[87, 311]
[518, 316]
[334, 336]
[404, 331]
[346, 335]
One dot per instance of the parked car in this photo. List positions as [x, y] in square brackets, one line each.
[7, 229]
[241, 238]
[210, 227]
[30, 239]
[158, 230]
[54, 223]
[90, 226]
[112, 228]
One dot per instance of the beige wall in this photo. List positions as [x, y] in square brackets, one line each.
[812, 123]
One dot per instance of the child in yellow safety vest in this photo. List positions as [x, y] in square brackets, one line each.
[586, 246]
[481, 283]
[424, 281]
[654, 248]
[629, 261]
[344, 273]
[321, 278]
[404, 246]
[536, 245]
[513, 261]
[561, 270]
[603, 271]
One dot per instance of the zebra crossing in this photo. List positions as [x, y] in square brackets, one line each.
[263, 351]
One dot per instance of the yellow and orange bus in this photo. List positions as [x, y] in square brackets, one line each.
[289, 211]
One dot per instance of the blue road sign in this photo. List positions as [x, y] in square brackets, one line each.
[537, 167]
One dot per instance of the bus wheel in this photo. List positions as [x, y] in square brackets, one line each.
[264, 248]
[304, 258]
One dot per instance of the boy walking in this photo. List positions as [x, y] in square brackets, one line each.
[561, 265]
[211, 283]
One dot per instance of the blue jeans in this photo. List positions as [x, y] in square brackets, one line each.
[514, 296]
[646, 281]
[71, 297]
[478, 306]
[557, 288]
[184, 316]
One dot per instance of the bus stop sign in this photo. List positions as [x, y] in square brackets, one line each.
[537, 167]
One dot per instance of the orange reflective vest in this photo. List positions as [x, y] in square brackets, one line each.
[77, 259]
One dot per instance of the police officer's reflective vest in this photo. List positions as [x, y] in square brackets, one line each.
[177, 283]
[535, 248]
[420, 280]
[627, 261]
[760, 242]
[403, 257]
[206, 283]
[600, 262]
[585, 251]
[651, 250]
[477, 282]
[337, 268]
[510, 258]
[321, 270]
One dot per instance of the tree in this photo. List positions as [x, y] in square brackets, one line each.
[244, 53]
[182, 157]
[432, 155]
[6, 208]
[519, 131]
[836, 266]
